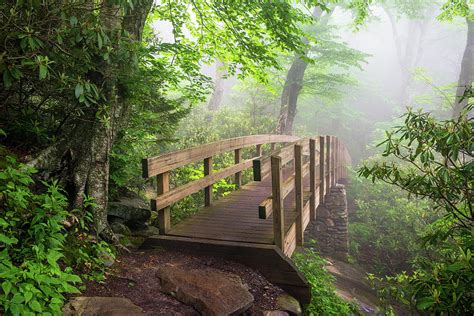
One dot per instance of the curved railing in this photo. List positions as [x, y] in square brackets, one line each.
[324, 158]
[160, 166]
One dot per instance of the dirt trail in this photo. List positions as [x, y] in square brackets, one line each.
[352, 285]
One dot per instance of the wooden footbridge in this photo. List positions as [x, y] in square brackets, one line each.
[263, 222]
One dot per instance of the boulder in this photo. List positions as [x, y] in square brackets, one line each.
[88, 306]
[146, 232]
[133, 212]
[120, 228]
[209, 291]
[289, 304]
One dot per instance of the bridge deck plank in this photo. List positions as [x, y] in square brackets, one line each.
[235, 217]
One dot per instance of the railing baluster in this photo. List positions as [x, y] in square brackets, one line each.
[238, 159]
[277, 202]
[258, 150]
[328, 163]
[299, 194]
[164, 215]
[312, 177]
[322, 169]
[208, 190]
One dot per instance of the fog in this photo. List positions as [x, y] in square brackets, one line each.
[431, 52]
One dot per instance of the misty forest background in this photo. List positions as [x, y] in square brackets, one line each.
[88, 89]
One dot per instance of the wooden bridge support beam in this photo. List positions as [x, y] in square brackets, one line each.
[312, 178]
[237, 160]
[322, 169]
[277, 202]
[164, 215]
[258, 150]
[208, 190]
[328, 164]
[298, 151]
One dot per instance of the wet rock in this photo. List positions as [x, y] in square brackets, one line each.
[88, 306]
[133, 212]
[209, 291]
[289, 304]
[120, 228]
[146, 232]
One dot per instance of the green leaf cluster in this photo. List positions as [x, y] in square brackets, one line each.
[31, 245]
[433, 159]
[324, 299]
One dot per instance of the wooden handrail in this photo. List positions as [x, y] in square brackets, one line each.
[173, 196]
[160, 166]
[262, 165]
[332, 159]
[324, 158]
[153, 166]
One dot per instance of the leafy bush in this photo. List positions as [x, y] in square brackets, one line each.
[382, 212]
[324, 300]
[434, 159]
[36, 252]
[32, 239]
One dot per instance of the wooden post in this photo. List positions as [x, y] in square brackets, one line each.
[328, 163]
[340, 160]
[322, 169]
[238, 159]
[164, 215]
[208, 189]
[312, 177]
[337, 160]
[272, 146]
[333, 162]
[299, 194]
[258, 151]
[277, 202]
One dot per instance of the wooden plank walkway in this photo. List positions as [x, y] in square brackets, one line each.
[235, 217]
[261, 223]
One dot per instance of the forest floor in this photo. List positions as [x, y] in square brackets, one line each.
[351, 285]
[133, 277]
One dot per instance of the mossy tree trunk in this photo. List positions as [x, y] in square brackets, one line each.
[81, 159]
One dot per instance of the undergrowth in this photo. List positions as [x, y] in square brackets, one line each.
[324, 299]
[43, 246]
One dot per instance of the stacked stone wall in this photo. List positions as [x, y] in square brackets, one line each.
[330, 229]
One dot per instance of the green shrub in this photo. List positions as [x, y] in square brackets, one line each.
[32, 238]
[382, 212]
[433, 159]
[37, 253]
[324, 300]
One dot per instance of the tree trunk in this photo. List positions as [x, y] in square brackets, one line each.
[292, 89]
[466, 75]
[289, 97]
[82, 157]
[216, 98]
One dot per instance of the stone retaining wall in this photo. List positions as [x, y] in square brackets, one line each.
[330, 227]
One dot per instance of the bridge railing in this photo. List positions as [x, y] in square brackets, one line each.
[161, 166]
[324, 158]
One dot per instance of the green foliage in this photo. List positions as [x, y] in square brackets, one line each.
[440, 285]
[437, 162]
[324, 300]
[434, 159]
[454, 8]
[85, 252]
[382, 212]
[32, 240]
